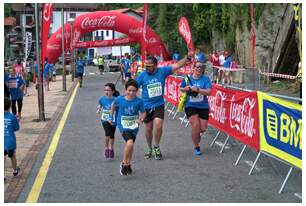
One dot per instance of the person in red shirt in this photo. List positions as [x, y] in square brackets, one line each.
[214, 58]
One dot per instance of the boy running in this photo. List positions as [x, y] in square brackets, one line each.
[128, 108]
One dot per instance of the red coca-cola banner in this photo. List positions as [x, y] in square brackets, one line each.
[184, 31]
[172, 89]
[108, 20]
[46, 21]
[106, 43]
[235, 113]
[185, 70]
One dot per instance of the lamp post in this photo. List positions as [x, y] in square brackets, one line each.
[63, 53]
[40, 88]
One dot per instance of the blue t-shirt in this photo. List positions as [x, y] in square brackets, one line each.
[153, 86]
[14, 84]
[6, 77]
[227, 62]
[105, 103]
[200, 101]
[10, 126]
[80, 66]
[46, 70]
[127, 113]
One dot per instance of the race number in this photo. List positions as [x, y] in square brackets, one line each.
[129, 122]
[155, 89]
[198, 98]
[105, 115]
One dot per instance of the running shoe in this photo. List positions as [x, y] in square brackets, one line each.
[197, 151]
[148, 153]
[123, 169]
[17, 172]
[129, 170]
[158, 155]
[111, 153]
[106, 153]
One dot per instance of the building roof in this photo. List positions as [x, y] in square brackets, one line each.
[9, 21]
[125, 10]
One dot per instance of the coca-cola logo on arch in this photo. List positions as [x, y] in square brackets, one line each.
[104, 21]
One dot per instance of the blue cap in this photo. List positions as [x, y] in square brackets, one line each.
[200, 57]
[176, 57]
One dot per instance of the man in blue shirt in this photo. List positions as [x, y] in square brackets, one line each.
[80, 70]
[152, 81]
[15, 85]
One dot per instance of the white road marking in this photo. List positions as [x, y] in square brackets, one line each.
[92, 73]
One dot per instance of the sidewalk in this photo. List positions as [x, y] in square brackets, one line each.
[33, 134]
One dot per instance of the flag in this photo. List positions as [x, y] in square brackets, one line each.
[144, 31]
[46, 21]
[184, 31]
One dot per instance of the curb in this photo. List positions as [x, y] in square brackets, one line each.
[16, 184]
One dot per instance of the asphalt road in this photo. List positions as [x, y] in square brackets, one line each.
[80, 173]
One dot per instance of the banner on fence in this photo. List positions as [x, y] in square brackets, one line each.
[235, 113]
[172, 90]
[280, 128]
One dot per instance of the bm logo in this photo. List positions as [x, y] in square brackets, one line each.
[283, 128]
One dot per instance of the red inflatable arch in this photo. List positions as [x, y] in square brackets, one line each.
[107, 20]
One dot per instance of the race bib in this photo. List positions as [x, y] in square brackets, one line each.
[129, 122]
[155, 89]
[105, 115]
[198, 98]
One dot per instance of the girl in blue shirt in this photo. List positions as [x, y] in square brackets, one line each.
[104, 107]
[80, 64]
[128, 119]
[198, 87]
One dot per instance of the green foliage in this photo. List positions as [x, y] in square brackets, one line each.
[7, 10]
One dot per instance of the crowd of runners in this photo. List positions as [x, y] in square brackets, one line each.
[128, 111]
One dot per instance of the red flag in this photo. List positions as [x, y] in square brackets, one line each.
[184, 31]
[144, 32]
[46, 21]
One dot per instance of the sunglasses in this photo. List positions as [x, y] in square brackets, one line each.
[198, 67]
[149, 65]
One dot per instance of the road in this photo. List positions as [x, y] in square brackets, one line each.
[79, 172]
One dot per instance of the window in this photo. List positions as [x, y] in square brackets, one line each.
[102, 34]
[107, 33]
[72, 15]
[29, 20]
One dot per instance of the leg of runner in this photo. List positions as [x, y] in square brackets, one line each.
[195, 133]
[158, 124]
[149, 137]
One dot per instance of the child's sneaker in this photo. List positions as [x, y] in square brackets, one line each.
[148, 153]
[106, 153]
[17, 172]
[197, 151]
[129, 170]
[123, 169]
[158, 155]
[111, 153]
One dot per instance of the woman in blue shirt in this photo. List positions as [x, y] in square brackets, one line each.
[198, 87]
[104, 107]
[128, 108]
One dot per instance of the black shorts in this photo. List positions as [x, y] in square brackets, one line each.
[203, 113]
[158, 112]
[9, 152]
[127, 135]
[109, 130]
[79, 74]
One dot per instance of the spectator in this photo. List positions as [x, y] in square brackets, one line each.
[227, 64]
[46, 74]
[20, 71]
[214, 58]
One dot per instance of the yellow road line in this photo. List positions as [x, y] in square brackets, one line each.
[41, 176]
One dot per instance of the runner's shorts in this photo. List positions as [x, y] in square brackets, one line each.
[9, 152]
[203, 113]
[109, 129]
[157, 112]
[127, 135]
[127, 75]
[79, 74]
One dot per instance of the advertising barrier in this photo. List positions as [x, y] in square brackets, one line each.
[235, 113]
[280, 128]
